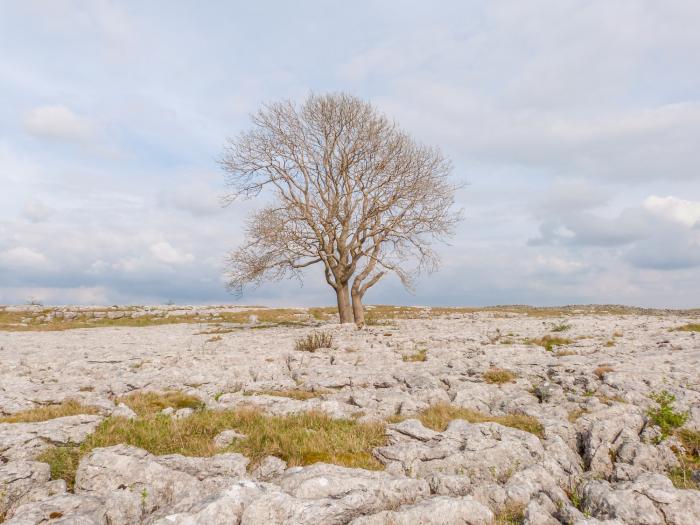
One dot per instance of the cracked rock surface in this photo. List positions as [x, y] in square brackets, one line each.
[598, 460]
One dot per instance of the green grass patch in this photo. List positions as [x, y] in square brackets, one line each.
[63, 462]
[299, 439]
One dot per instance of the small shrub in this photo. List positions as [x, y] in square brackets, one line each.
[664, 416]
[609, 344]
[44, 413]
[314, 341]
[548, 342]
[692, 327]
[602, 370]
[419, 356]
[563, 327]
[498, 376]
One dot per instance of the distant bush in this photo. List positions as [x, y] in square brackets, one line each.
[664, 416]
[314, 341]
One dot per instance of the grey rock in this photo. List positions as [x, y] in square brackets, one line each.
[227, 437]
[183, 413]
[19, 478]
[124, 411]
[441, 510]
[651, 499]
[269, 468]
[63, 509]
[28, 440]
[484, 452]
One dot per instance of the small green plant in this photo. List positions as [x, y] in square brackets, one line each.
[664, 416]
[314, 341]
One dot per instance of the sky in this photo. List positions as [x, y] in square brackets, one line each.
[574, 127]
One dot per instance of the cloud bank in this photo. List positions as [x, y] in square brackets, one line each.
[573, 124]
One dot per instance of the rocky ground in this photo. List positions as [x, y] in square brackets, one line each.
[600, 456]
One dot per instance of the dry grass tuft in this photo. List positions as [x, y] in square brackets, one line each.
[602, 370]
[689, 459]
[419, 356]
[561, 327]
[548, 342]
[510, 514]
[439, 416]
[151, 403]
[314, 341]
[498, 376]
[299, 439]
[44, 413]
[574, 415]
[692, 327]
[301, 395]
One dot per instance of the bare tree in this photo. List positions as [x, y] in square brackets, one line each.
[350, 191]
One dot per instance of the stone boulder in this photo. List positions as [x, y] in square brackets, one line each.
[28, 440]
[440, 510]
[484, 452]
[651, 499]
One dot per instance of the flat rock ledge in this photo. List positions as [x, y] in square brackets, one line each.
[598, 459]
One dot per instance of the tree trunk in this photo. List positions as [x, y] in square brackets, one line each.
[358, 311]
[343, 296]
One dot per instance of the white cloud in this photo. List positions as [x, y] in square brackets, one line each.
[58, 122]
[674, 209]
[22, 257]
[36, 211]
[165, 252]
[559, 264]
